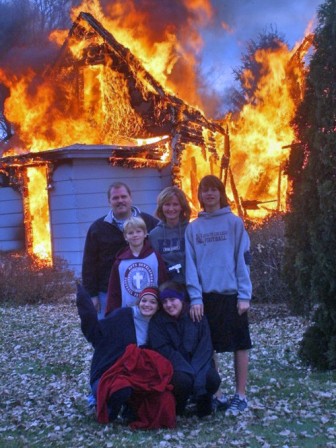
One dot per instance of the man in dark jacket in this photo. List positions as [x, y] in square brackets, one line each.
[104, 239]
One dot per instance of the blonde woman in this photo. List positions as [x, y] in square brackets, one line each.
[167, 238]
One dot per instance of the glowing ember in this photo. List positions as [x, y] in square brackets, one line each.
[148, 141]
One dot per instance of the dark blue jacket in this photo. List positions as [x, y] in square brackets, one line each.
[109, 337]
[186, 344]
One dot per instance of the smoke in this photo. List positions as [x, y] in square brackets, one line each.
[178, 23]
[207, 37]
[245, 19]
[35, 57]
[156, 17]
[24, 42]
[212, 35]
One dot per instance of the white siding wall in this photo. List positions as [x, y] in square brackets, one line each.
[79, 196]
[12, 235]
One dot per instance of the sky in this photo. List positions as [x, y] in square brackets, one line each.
[238, 21]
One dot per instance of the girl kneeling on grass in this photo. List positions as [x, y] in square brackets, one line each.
[187, 345]
[125, 374]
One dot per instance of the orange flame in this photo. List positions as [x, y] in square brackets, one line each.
[261, 131]
[45, 115]
[37, 213]
[170, 56]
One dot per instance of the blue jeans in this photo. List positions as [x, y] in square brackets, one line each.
[102, 297]
[94, 387]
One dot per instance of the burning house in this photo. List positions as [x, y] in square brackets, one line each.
[124, 126]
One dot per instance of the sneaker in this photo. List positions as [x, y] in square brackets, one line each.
[91, 404]
[236, 406]
[220, 403]
[91, 401]
[92, 410]
[127, 415]
[204, 405]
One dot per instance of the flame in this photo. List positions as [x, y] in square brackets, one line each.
[168, 53]
[260, 137]
[263, 129]
[39, 117]
[43, 112]
[49, 112]
[148, 141]
[37, 213]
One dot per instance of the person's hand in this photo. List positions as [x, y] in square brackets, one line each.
[243, 306]
[196, 312]
[96, 303]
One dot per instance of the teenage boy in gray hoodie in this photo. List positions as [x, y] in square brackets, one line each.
[218, 280]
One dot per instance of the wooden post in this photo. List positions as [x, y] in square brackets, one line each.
[212, 165]
[279, 188]
[193, 181]
[235, 195]
[225, 161]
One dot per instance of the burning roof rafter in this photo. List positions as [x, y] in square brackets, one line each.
[96, 52]
[155, 155]
[104, 94]
[160, 111]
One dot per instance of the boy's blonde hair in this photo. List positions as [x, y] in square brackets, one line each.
[134, 222]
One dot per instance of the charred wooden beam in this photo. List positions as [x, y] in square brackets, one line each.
[191, 136]
[225, 160]
[153, 154]
[195, 142]
[193, 180]
[253, 204]
[95, 54]
[160, 111]
[212, 161]
[136, 163]
[235, 193]
[291, 146]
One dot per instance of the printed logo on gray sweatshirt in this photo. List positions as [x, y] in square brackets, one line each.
[212, 237]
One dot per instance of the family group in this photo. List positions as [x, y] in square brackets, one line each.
[161, 298]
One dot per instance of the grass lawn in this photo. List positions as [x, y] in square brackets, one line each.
[44, 365]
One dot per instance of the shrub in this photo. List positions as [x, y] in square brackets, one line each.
[318, 346]
[267, 250]
[25, 280]
[310, 230]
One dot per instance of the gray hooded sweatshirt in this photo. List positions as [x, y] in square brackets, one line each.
[217, 256]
